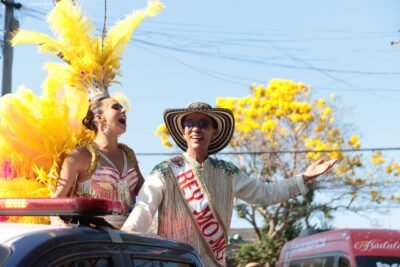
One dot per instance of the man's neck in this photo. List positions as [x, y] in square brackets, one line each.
[199, 156]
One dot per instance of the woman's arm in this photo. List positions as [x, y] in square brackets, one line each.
[70, 171]
[74, 166]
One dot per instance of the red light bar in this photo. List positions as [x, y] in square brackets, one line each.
[59, 206]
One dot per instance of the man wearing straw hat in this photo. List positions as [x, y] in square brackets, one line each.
[194, 192]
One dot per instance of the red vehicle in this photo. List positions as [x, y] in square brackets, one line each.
[343, 248]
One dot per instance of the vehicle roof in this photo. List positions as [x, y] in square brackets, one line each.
[26, 242]
[33, 239]
[11, 232]
[358, 241]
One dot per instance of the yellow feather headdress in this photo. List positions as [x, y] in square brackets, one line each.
[38, 131]
[90, 63]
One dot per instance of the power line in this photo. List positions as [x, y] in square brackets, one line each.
[210, 73]
[178, 41]
[34, 12]
[245, 81]
[284, 151]
[263, 62]
[219, 30]
[236, 57]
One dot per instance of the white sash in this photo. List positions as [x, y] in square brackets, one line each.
[200, 208]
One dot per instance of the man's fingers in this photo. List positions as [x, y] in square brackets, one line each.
[332, 162]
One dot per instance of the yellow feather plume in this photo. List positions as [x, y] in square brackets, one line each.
[46, 43]
[73, 29]
[92, 62]
[119, 36]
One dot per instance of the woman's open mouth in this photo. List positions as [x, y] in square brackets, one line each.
[122, 121]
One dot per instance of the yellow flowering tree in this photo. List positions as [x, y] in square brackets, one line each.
[163, 133]
[282, 117]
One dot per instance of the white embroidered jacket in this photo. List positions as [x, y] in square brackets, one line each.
[224, 182]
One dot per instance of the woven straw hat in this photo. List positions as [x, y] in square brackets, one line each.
[173, 119]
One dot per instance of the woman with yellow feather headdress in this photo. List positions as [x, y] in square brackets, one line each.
[62, 158]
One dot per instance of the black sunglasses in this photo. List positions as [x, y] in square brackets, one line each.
[202, 124]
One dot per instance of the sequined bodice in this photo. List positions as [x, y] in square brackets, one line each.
[108, 182]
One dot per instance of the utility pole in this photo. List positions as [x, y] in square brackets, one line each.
[10, 24]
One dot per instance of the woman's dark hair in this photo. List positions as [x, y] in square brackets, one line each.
[94, 109]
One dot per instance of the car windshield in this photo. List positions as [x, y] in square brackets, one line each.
[377, 261]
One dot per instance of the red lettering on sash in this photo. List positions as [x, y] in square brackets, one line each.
[220, 241]
[197, 195]
[203, 216]
[187, 176]
[205, 219]
[220, 253]
[189, 185]
[207, 231]
[218, 246]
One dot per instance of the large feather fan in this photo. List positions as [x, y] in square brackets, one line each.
[37, 132]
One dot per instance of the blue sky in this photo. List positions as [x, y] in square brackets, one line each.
[201, 50]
